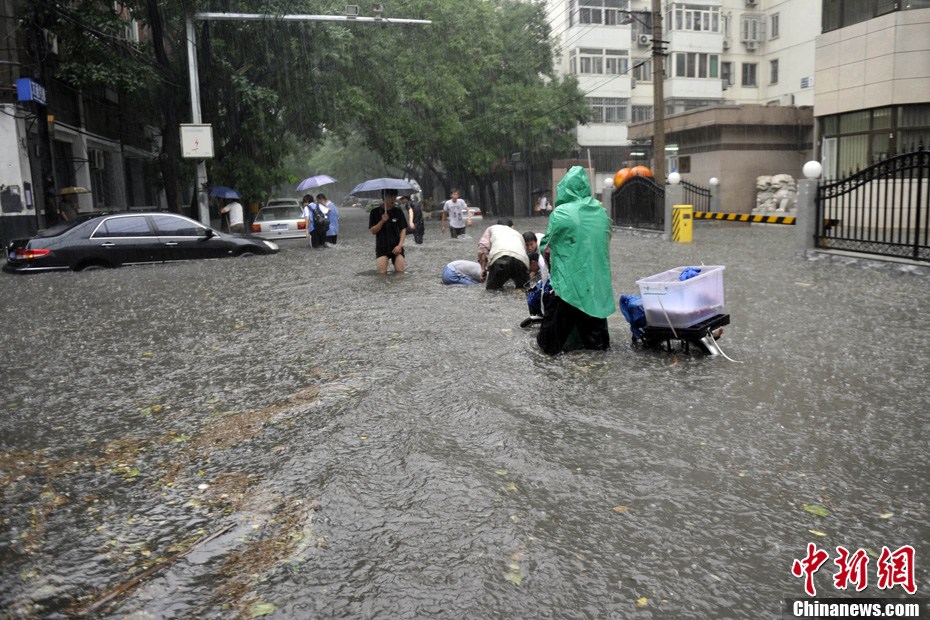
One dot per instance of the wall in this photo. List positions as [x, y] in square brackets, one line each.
[880, 62]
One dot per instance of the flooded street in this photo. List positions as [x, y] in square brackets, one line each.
[294, 436]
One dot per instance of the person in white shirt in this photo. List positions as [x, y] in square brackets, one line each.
[455, 209]
[463, 272]
[503, 257]
[233, 211]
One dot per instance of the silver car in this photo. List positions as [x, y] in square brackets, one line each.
[279, 222]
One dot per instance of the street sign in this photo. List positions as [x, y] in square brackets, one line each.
[27, 90]
[196, 141]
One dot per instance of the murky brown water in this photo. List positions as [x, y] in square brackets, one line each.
[295, 435]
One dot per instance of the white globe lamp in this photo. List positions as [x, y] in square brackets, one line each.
[674, 178]
[812, 170]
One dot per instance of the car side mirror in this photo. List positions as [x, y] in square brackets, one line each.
[209, 233]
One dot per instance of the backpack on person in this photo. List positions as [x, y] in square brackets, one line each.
[320, 220]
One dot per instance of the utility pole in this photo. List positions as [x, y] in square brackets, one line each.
[35, 43]
[658, 95]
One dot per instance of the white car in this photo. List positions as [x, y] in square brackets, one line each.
[279, 221]
[282, 202]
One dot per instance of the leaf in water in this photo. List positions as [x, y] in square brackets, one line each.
[181, 438]
[621, 509]
[147, 354]
[501, 472]
[261, 609]
[817, 532]
[642, 602]
[816, 509]
[514, 578]
[886, 515]
[506, 330]
[511, 487]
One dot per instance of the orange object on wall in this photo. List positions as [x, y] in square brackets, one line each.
[640, 171]
[622, 175]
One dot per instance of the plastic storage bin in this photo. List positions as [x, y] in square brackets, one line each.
[669, 301]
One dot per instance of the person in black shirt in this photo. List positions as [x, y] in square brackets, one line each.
[389, 226]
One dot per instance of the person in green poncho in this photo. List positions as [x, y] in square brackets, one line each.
[577, 247]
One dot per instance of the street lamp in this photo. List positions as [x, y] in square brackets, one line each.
[658, 88]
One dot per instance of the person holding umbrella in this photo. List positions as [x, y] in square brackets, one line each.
[389, 226]
[233, 211]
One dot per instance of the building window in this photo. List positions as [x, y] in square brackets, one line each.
[642, 113]
[608, 109]
[726, 73]
[696, 65]
[616, 62]
[774, 26]
[752, 29]
[773, 71]
[854, 140]
[749, 74]
[589, 61]
[839, 14]
[642, 69]
[597, 12]
[693, 17]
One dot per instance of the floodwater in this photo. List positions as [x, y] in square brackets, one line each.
[295, 436]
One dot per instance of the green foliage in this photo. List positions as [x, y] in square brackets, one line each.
[459, 95]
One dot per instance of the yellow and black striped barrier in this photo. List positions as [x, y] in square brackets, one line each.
[745, 217]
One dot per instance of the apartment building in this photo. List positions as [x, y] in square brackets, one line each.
[739, 86]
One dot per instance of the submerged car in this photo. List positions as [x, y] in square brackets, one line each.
[97, 241]
[279, 222]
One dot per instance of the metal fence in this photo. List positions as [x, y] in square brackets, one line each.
[883, 209]
[639, 203]
[696, 196]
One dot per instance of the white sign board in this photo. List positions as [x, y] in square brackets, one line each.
[197, 141]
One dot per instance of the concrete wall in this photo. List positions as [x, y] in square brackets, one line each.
[880, 62]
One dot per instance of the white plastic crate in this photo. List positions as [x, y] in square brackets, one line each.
[669, 301]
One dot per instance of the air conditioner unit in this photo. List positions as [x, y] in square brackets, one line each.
[751, 45]
[726, 44]
[99, 160]
[644, 40]
[752, 2]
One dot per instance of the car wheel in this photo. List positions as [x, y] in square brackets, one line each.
[244, 253]
[92, 266]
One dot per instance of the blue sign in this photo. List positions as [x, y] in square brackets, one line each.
[27, 90]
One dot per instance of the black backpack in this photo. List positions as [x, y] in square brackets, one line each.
[320, 221]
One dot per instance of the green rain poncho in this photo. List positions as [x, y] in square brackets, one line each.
[578, 239]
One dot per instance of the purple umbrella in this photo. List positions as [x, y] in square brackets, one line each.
[315, 181]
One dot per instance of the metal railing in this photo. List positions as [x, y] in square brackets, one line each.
[639, 203]
[883, 209]
[696, 196]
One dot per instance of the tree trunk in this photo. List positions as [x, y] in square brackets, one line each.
[170, 146]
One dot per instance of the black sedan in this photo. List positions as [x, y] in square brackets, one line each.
[116, 239]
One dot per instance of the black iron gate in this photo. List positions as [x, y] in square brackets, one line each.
[696, 196]
[639, 203]
[881, 210]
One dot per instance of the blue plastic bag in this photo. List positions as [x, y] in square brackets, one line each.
[688, 273]
[632, 308]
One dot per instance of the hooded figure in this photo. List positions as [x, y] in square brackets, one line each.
[578, 244]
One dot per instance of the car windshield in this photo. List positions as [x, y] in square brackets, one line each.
[283, 202]
[279, 213]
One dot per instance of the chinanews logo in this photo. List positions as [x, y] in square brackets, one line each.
[892, 569]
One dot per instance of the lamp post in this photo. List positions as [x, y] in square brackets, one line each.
[658, 88]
